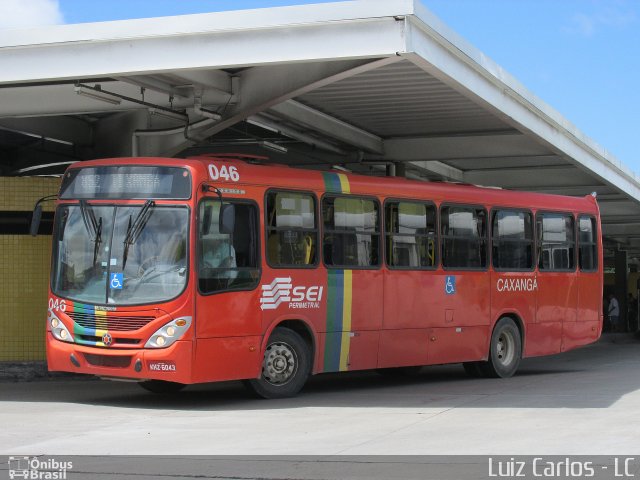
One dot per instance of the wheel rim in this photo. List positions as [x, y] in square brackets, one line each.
[280, 363]
[505, 348]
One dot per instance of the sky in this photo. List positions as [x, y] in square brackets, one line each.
[579, 56]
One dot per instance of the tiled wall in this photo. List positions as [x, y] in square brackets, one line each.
[24, 273]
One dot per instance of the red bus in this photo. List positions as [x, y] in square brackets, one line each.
[173, 272]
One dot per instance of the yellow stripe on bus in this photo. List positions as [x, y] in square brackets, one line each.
[100, 333]
[346, 320]
[344, 183]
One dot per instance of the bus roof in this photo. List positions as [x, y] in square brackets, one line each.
[282, 176]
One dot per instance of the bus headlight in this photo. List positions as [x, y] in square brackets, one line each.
[169, 333]
[58, 329]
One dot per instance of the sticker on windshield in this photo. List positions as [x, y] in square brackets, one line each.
[116, 281]
[114, 261]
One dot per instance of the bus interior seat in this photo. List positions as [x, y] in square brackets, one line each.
[273, 248]
[290, 247]
[344, 249]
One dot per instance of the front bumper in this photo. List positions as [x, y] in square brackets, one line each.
[173, 364]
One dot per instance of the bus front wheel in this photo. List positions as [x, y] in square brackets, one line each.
[506, 350]
[285, 367]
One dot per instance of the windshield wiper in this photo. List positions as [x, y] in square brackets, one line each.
[97, 241]
[135, 227]
[93, 226]
[89, 219]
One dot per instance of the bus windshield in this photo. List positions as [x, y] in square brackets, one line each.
[120, 255]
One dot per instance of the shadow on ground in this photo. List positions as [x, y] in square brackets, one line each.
[592, 377]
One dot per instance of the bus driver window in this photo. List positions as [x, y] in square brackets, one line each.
[227, 261]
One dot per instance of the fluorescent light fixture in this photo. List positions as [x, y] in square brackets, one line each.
[35, 135]
[169, 114]
[44, 165]
[273, 146]
[260, 124]
[97, 95]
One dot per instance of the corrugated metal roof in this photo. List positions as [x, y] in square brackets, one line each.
[401, 100]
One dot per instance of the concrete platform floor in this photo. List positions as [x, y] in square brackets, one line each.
[582, 402]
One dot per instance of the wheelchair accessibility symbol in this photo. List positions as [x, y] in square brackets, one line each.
[450, 285]
[116, 281]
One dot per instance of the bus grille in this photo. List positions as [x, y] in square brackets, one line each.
[116, 341]
[111, 323]
[108, 361]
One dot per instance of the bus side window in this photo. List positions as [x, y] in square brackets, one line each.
[588, 243]
[410, 235]
[227, 261]
[464, 237]
[556, 241]
[291, 229]
[351, 232]
[512, 240]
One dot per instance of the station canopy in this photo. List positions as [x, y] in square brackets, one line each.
[368, 86]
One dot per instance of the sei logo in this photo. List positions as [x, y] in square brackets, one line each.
[57, 305]
[227, 173]
[281, 290]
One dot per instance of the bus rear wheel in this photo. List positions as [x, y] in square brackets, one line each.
[285, 367]
[506, 350]
[161, 386]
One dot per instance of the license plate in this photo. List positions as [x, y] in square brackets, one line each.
[162, 366]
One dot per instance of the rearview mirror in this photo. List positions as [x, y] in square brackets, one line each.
[35, 220]
[227, 218]
[206, 220]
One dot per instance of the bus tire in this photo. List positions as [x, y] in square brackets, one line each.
[285, 367]
[505, 351]
[161, 386]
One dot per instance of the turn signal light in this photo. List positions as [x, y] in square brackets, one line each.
[181, 322]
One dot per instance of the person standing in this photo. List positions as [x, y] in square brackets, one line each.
[614, 313]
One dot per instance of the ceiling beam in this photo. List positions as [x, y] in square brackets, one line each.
[619, 219]
[270, 124]
[573, 190]
[557, 176]
[204, 79]
[440, 169]
[149, 83]
[266, 86]
[65, 129]
[517, 169]
[459, 147]
[332, 127]
[627, 207]
[631, 228]
[61, 99]
[217, 40]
